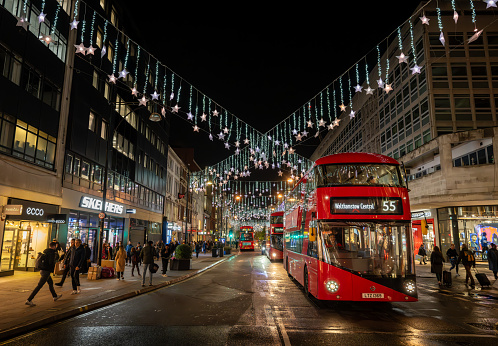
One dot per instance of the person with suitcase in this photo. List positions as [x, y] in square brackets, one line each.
[437, 260]
[468, 260]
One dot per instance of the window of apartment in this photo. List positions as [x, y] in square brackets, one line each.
[102, 4]
[110, 52]
[103, 130]
[95, 79]
[426, 135]
[33, 145]
[418, 141]
[459, 75]
[7, 129]
[114, 17]
[92, 122]
[98, 38]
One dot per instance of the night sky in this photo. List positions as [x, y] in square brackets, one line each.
[260, 63]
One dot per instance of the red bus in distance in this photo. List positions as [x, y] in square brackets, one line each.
[274, 237]
[246, 238]
[347, 234]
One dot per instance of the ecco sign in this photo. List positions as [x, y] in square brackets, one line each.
[96, 204]
[35, 211]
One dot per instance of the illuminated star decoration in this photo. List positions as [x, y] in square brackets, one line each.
[41, 17]
[352, 114]
[103, 51]
[388, 88]
[134, 91]
[171, 96]
[143, 101]
[310, 123]
[80, 48]
[203, 117]
[196, 128]
[210, 136]
[304, 133]
[455, 16]
[321, 122]
[163, 111]
[175, 109]
[358, 88]
[112, 78]
[74, 24]
[221, 136]
[331, 126]
[91, 50]
[415, 69]
[215, 113]
[227, 145]
[22, 22]
[441, 39]
[237, 143]
[190, 116]
[291, 150]
[369, 90]
[225, 130]
[342, 107]
[123, 73]
[298, 137]
[424, 20]
[475, 36]
[277, 142]
[491, 3]
[155, 95]
[280, 173]
[380, 83]
[336, 121]
[246, 141]
[402, 58]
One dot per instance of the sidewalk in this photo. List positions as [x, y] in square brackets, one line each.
[458, 282]
[18, 318]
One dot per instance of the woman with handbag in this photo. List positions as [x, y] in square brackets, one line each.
[437, 260]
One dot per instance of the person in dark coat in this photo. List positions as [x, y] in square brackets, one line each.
[468, 259]
[45, 271]
[77, 259]
[493, 260]
[147, 254]
[437, 260]
[452, 257]
[422, 253]
[134, 254]
[165, 256]
[67, 268]
[197, 250]
[86, 264]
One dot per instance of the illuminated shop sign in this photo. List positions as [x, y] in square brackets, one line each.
[59, 219]
[420, 214]
[96, 204]
[366, 205]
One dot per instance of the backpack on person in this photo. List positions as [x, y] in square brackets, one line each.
[470, 256]
[41, 262]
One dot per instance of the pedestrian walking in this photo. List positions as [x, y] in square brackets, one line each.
[67, 267]
[197, 250]
[452, 256]
[139, 250]
[116, 249]
[493, 259]
[120, 262]
[422, 253]
[134, 261]
[46, 264]
[147, 255]
[165, 256]
[87, 263]
[437, 260]
[204, 247]
[468, 259]
[76, 261]
[128, 248]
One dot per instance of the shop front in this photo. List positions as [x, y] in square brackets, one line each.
[476, 226]
[28, 229]
[423, 230]
[172, 233]
[144, 230]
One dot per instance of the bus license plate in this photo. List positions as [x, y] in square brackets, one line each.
[373, 295]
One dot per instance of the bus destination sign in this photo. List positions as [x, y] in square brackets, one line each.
[366, 205]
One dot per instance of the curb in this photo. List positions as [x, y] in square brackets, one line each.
[10, 333]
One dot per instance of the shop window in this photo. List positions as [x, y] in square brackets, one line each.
[69, 164]
[97, 174]
[76, 166]
[85, 170]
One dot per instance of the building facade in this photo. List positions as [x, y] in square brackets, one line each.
[440, 123]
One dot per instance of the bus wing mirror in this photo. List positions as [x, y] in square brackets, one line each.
[312, 234]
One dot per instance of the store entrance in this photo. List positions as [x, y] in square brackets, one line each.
[30, 238]
[89, 236]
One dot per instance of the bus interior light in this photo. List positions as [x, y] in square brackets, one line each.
[332, 286]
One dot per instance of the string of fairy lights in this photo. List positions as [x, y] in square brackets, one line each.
[150, 81]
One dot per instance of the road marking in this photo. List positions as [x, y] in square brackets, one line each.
[282, 329]
[271, 323]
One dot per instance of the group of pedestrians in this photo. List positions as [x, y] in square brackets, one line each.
[466, 257]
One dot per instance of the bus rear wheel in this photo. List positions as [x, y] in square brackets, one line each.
[287, 267]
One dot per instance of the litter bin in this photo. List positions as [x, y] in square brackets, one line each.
[221, 252]
[214, 252]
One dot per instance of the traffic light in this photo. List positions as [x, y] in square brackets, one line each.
[230, 234]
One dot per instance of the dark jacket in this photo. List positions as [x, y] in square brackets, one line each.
[437, 260]
[77, 257]
[451, 253]
[165, 253]
[463, 257]
[52, 258]
[421, 251]
[493, 260]
[147, 254]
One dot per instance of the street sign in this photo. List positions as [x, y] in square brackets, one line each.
[131, 211]
[101, 216]
[12, 209]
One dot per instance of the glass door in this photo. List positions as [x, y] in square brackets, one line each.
[8, 248]
[22, 248]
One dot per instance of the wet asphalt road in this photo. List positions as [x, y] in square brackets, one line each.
[248, 300]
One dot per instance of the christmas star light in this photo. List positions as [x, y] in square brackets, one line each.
[490, 3]
[424, 20]
[402, 58]
[221, 136]
[280, 173]
[225, 130]
[74, 24]
[90, 50]
[80, 48]
[215, 113]
[455, 16]
[112, 78]
[143, 101]
[227, 145]
[475, 36]
[342, 107]
[210, 136]
[246, 141]
[415, 69]
[388, 88]
[155, 95]
[331, 126]
[237, 143]
[369, 90]
[358, 88]
[380, 83]
[190, 116]
[196, 128]
[277, 142]
[291, 150]
[304, 133]
[298, 137]
[41, 17]
[103, 51]
[310, 123]
[336, 122]
[321, 122]
[22, 22]
[352, 114]
[441, 39]
[123, 73]
[294, 132]
[163, 111]
[175, 109]
[171, 96]
[134, 91]
[203, 117]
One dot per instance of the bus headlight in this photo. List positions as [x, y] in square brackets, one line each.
[409, 286]
[274, 254]
[332, 286]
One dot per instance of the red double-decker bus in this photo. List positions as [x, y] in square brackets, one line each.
[347, 233]
[274, 237]
[246, 238]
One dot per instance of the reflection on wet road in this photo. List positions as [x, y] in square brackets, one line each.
[247, 300]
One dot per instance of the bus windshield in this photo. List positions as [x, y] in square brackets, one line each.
[275, 220]
[246, 237]
[379, 249]
[277, 242]
[364, 174]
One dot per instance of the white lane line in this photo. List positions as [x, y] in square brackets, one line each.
[271, 324]
[281, 326]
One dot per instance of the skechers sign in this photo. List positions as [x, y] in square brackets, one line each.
[96, 204]
[366, 205]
